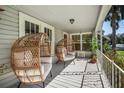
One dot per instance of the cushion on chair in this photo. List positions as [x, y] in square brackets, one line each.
[28, 76]
[34, 74]
[31, 72]
[31, 79]
[64, 52]
[69, 57]
[46, 66]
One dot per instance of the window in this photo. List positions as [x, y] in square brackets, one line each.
[29, 25]
[31, 28]
[49, 33]
[37, 28]
[86, 41]
[76, 41]
[65, 36]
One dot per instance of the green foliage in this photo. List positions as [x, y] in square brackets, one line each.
[115, 10]
[107, 47]
[120, 39]
[121, 53]
[118, 59]
[94, 44]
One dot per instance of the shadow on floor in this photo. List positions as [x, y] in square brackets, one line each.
[56, 70]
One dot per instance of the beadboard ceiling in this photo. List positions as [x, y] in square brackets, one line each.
[85, 16]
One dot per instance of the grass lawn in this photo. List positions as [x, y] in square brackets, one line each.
[120, 53]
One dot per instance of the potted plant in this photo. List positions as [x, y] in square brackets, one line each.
[93, 58]
[94, 48]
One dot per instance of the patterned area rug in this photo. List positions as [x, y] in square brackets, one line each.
[71, 76]
[80, 75]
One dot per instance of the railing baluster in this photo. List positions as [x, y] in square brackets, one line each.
[113, 72]
[119, 79]
[112, 75]
[107, 68]
[122, 80]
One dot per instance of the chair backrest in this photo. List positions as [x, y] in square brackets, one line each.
[26, 56]
[63, 47]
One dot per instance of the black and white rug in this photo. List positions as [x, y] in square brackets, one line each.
[81, 73]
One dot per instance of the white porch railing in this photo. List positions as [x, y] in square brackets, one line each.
[113, 72]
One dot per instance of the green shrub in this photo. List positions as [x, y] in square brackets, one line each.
[118, 59]
[94, 44]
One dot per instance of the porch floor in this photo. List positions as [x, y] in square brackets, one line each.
[82, 74]
[78, 74]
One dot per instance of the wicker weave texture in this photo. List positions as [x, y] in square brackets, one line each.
[26, 57]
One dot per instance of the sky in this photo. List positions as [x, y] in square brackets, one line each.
[108, 30]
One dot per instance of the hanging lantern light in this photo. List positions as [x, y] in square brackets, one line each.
[71, 20]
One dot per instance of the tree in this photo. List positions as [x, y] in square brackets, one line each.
[114, 17]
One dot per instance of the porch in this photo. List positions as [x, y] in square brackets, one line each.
[80, 74]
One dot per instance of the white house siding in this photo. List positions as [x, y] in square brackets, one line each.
[9, 32]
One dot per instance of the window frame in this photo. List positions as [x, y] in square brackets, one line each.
[81, 36]
[22, 18]
[48, 31]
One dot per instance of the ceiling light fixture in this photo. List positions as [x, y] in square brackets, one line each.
[71, 20]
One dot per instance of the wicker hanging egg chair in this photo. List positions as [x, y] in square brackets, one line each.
[65, 50]
[31, 58]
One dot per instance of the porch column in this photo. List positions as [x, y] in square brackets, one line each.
[101, 49]
[81, 44]
[101, 46]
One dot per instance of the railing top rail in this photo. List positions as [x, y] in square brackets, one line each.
[111, 62]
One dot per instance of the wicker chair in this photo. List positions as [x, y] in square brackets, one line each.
[30, 58]
[64, 51]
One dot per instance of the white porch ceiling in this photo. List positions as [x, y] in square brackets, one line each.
[86, 16]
